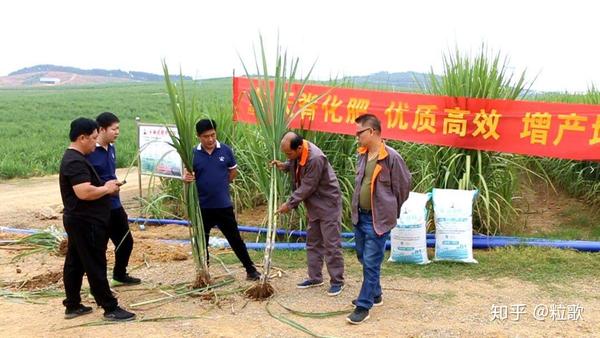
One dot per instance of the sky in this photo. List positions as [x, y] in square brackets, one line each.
[555, 42]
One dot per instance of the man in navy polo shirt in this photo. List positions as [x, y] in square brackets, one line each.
[104, 161]
[214, 168]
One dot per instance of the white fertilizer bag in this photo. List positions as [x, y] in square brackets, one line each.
[453, 213]
[409, 237]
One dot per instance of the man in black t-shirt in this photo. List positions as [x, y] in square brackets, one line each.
[86, 212]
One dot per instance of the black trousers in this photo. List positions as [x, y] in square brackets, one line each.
[120, 236]
[86, 253]
[224, 218]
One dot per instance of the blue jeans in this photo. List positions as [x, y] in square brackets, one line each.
[370, 249]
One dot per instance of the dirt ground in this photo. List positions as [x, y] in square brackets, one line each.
[413, 307]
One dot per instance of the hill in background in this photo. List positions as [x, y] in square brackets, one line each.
[52, 75]
[397, 81]
[44, 75]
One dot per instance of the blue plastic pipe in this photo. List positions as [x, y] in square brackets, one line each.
[479, 242]
[159, 221]
[242, 228]
[296, 233]
[493, 242]
[261, 246]
[19, 231]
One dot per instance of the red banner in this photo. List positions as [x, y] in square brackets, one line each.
[570, 131]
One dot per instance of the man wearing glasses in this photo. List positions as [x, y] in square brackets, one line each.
[382, 184]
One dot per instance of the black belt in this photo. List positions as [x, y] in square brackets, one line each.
[364, 211]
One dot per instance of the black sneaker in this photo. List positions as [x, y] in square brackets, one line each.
[359, 315]
[119, 315]
[253, 276]
[377, 301]
[125, 280]
[78, 311]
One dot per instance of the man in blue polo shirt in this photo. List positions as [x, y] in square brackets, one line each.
[214, 168]
[104, 161]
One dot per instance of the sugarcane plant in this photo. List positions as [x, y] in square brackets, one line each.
[184, 142]
[275, 106]
[580, 179]
[50, 240]
[485, 75]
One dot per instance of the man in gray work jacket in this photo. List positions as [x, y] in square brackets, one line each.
[382, 184]
[315, 184]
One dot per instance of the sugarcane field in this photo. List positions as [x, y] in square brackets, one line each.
[322, 169]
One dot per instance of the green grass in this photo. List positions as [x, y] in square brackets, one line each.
[579, 178]
[576, 224]
[541, 266]
[533, 264]
[35, 121]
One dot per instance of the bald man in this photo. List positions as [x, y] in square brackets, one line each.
[315, 184]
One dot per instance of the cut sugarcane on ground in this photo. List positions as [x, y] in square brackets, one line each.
[413, 306]
[434, 303]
